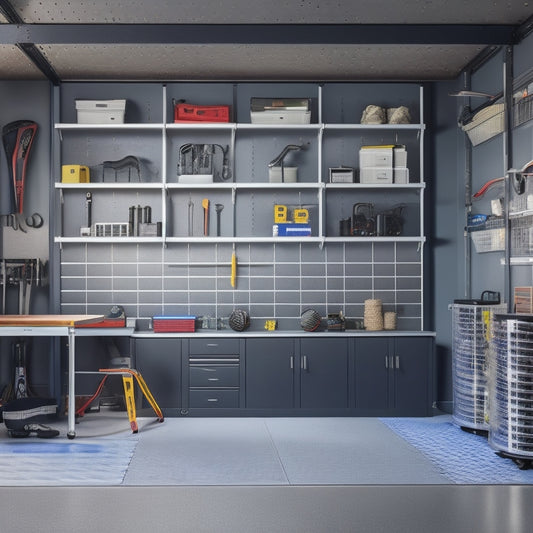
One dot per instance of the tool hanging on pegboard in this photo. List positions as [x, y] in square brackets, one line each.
[18, 137]
[25, 274]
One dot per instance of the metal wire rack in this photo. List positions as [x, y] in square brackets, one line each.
[511, 386]
[471, 335]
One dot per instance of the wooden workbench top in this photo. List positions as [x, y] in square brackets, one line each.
[48, 320]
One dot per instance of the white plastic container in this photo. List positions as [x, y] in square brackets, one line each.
[376, 175]
[375, 156]
[101, 111]
[401, 175]
[290, 175]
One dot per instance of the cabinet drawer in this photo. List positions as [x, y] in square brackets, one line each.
[214, 346]
[214, 376]
[213, 398]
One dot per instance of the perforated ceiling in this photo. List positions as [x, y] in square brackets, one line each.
[439, 56]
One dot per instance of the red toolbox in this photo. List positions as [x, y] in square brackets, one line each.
[201, 113]
[174, 324]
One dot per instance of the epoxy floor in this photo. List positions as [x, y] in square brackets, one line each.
[382, 504]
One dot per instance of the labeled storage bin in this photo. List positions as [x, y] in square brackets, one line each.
[101, 111]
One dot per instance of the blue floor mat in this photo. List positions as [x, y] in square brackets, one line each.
[43, 462]
[463, 457]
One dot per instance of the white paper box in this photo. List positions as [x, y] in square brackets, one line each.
[287, 116]
[101, 111]
[375, 157]
[401, 175]
[375, 175]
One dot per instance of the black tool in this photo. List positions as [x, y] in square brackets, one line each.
[129, 162]
[218, 210]
[363, 221]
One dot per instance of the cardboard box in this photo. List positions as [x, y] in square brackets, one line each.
[101, 111]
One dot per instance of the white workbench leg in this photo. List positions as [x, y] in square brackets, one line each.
[71, 433]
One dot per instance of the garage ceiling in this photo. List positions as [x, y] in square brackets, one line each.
[343, 40]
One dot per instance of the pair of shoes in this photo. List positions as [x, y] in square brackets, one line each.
[34, 430]
[374, 114]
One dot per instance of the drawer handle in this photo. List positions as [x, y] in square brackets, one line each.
[212, 400]
[212, 344]
[212, 379]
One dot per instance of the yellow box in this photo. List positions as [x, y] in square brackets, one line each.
[75, 174]
[280, 213]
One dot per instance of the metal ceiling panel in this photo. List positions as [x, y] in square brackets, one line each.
[15, 65]
[261, 11]
[252, 62]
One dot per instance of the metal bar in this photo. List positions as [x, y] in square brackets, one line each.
[486, 34]
[37, 58]
[71, 415]
[508, 163]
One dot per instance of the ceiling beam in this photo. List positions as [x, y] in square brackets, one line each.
[360, 34]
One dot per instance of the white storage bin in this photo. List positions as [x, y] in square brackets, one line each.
[290, 174]
[375, 156]
[375, 175]
[101, 111]
[287, 116]
[401, 175]
[400, 156]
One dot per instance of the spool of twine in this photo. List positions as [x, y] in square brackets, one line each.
[373, 319]
[389, 320]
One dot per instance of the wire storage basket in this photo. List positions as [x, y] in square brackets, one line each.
[511, 387]
[522, 109]
[470, 344]
[490, 236]
[522, 236]
[485, 124]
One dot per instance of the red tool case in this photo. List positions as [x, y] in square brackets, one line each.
[201, 113]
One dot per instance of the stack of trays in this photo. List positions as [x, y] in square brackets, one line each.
[174, 324]
[511, 386]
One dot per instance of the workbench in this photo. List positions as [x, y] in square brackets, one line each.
[55, 326]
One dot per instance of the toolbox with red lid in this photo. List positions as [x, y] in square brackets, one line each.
[174, 324]
[184, 112]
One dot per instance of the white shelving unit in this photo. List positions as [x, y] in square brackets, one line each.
[251, 194]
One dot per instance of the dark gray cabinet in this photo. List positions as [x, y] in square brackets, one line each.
[213, 373]
[296, 373]
[159, 362]
[269, 373]
[324, 373]
[307, 375]
[394, 376]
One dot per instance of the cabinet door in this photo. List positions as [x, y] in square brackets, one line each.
[159, 362]
[324, 373]
[270, 373]
[372, 373]
[412, 375]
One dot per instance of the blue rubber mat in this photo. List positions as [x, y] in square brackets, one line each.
[46, 463]
[463, 457]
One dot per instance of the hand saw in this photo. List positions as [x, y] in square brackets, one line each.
[18, 138]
